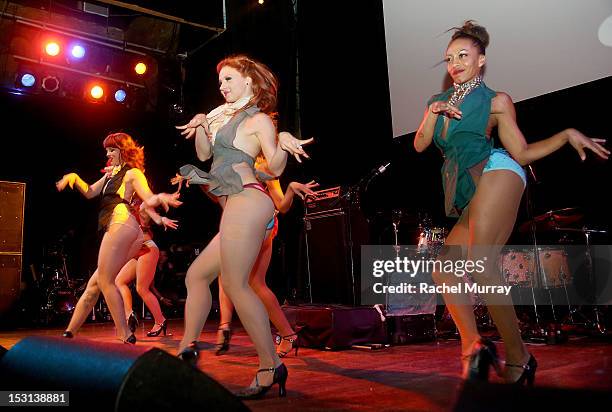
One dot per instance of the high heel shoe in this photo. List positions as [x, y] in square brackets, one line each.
[162, 328]
[131, 339]
[67, 334]
[529, 370]
[190, 354]
[132, 321]
[258, 391]
[483, 356]
[293, 339]
[227, 336]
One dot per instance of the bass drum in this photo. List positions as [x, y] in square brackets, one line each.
[61, 301]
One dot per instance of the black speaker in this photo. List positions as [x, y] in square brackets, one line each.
[113, 377]
[10, 280]
[475, 397]
[333, 247]
[12, 195]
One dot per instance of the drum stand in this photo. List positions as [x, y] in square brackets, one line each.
[595, 323]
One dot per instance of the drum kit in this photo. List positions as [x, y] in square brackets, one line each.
[532, 268]
[57, 289]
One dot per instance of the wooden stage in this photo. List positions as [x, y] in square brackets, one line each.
[415, 377]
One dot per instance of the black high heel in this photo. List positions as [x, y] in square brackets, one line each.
[483, 356]
[67, 334]
[132, 321]
[529, 370]
[227, 337]
[162, 328]
[131, 339]
[258, 391]
[294, 338]
[190, 354]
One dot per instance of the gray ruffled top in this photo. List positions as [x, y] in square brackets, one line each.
[222, 180]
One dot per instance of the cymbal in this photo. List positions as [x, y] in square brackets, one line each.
[553, 219]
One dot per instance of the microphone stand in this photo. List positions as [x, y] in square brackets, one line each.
[536, 254]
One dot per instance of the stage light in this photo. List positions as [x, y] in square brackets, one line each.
[96, 92]
[28, 80]
[120, 96]
[77, 51]
[50, 84]
[260, 1]
[52, 48]
[140, 68]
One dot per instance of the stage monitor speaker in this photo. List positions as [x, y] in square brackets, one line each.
[111, 377]
[482, 396]
[333, 247]
[12, 196]
[10, 281]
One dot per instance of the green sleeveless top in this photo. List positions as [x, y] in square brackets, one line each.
[464, 146]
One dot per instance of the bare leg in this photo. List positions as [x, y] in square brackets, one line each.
[242, 232]
[257, 281]
[126, 275]
[200, 275]
[145, 272]
[491, 223]
[119, 243]
[85, 304]
[459, 305]
[226, 308]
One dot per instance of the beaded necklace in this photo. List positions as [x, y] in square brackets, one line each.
[462, 90]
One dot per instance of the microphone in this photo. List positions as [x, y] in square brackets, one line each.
[377, 171]
[380, 170]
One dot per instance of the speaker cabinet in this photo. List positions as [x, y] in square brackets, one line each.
[333, 247]
[10, 281]
[12, 197]
[111, 377]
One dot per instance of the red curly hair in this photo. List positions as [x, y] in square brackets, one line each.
[265, 83]
[131, 153]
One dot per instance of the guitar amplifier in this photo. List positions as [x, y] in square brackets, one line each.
[335, 229]
[323, 201]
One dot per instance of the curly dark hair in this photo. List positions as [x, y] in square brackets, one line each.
[131, 153]
[471, 30]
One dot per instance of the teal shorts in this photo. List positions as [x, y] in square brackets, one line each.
[499, 159]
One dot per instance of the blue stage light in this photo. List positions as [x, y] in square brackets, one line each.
[120, 95]
[28, 80]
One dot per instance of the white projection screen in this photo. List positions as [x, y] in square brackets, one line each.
[537, 47]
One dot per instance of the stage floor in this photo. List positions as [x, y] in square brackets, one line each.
[415, 377]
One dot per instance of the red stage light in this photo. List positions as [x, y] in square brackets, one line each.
[140, 68]
[96, 92]
[52, 48]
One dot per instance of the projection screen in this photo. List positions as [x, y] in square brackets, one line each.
[537, 47]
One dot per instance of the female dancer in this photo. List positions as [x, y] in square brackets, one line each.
[122, 234]
[142, 268]
[483, 187]
[257, 278]
[234, 134]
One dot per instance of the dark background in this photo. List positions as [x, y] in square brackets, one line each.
[343, 103]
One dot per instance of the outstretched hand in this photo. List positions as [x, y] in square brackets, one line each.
[303, 190]
[189, 129]
[580, 142]
[66, 180]
[293, 145]
[169, 223]
[166, 200]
